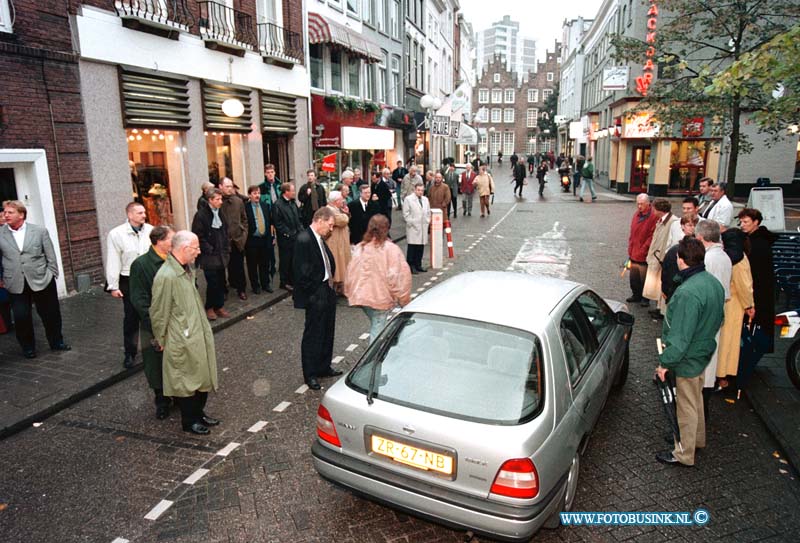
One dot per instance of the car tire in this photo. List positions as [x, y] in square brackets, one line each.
[568, 500]
[622, 374]
[793, 364]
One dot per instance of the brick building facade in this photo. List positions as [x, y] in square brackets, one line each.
[509, 110]
[44, 155]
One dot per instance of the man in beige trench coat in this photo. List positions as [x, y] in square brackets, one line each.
[181, 329]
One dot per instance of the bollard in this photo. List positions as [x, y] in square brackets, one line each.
[448, 230]
[436, 238]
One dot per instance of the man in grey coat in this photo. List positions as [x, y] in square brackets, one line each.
[29, 271]
[417, 214]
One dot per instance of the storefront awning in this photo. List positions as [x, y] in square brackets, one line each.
[467, 135]
[322, 30]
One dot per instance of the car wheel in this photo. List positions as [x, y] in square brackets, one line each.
[793, 364]
[568, 500]
[622, 374]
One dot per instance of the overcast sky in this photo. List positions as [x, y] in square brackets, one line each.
[538, 19]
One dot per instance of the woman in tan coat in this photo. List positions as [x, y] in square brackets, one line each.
[339, 242]
[484, 186]
[741, 302]
[379, 277]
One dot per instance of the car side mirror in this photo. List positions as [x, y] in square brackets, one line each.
[624, 319]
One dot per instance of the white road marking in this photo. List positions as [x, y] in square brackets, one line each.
[120, 540]
[257, 427]
[427, 284]
[228, 449]
[281, 407]
[158, 510]
[466, 250]
[414, 294]
[548, 254]
[196, 476]
[439, 274]
[420, 289]
[434, 278]
[352, 347]
[364, 336]
[302, 389]
[337, 359]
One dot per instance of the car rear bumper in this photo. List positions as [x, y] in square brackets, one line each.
[440, 505]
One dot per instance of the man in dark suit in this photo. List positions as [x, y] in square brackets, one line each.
[314, 268]
[384, 196]
[258, 248]
[287, 222]
[29, 272]
[361, 211]
[312, 197]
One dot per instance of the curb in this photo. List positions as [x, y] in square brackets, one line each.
[115, 378]
[776, 430]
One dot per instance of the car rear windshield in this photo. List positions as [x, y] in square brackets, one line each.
[456, 367]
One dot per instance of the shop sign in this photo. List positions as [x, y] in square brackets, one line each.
[329, 163]
[644, 81]
[440, 125]
[328, 142]
[454, 128]
[694, 128]
[616, 78]
[640, 125]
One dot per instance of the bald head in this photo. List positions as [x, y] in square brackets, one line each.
[185, 247]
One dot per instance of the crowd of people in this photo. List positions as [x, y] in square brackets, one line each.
[707, 280]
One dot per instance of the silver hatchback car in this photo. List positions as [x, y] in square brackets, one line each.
[473, 406]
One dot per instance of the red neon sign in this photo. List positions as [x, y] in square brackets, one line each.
[644, 81]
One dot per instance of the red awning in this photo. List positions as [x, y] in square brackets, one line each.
[322, 30]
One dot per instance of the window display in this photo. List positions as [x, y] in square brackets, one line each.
[687, 165]
[225, 154]
[156, 167]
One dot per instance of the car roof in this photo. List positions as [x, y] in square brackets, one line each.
[511, 299]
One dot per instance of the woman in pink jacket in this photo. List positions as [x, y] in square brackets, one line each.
[378, 278]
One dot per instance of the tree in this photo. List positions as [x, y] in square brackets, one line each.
[696, 40]
[547, 118]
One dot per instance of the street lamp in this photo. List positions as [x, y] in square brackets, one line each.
[430, 103]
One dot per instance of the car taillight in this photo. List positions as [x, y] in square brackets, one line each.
[781, 320]
[325, 427]
[517, 478]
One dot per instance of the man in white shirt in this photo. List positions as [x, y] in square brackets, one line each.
[721, 209]
[125, 244]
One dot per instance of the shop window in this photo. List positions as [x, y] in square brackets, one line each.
[687, 165]
[354, 76]
[315, 53]
[336, 71]
[155, 158]
[225, 155]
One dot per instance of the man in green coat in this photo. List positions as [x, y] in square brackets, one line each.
[143, 271]
[181, 329]
[694, 315]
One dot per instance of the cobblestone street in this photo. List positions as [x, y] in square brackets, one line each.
[101, 469]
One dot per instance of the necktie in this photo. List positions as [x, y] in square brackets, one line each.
[262, 228]
[327, 262]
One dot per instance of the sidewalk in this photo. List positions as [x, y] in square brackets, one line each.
[32, 390]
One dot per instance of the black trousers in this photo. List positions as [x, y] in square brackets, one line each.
[414, 255]
[130, 322]
[317, 346]
[161, 400]
[453, 206]
[215, 288]
[49, 311]
[192, 408]
[286, 254]
[638, 276]
[519, 184]
[236, 277]
[5, 313]
[258, 263]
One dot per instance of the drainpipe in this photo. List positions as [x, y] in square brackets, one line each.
[60, 178]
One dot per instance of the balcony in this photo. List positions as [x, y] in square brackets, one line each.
[279, 45]
[225, 28]
[163, 15]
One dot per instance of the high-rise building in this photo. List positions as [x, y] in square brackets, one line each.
[504, 40]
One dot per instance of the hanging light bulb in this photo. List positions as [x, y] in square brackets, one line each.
[155, 131]
[146, 131]
[135, 131]
[138, 137]
[131, 137]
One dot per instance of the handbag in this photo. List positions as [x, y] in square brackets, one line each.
[652, 284]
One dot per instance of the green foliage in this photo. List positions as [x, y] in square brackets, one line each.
[547, 117]
[341, 103]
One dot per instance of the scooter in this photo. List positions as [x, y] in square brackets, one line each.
[789, 324]
[566, 181]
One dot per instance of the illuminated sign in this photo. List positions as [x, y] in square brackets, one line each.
[640, 124]
[644, 81]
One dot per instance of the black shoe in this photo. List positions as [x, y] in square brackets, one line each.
[29, 353]
[656, 314]
[420, 269]
[197, 428]
[256, 291]
[665, 457]
[414, 271]
[210, 421]
[633, 299]
[313, 384]
[60, 347]
[162, 412]
[269, 289]
[645, 302]
[332, 373]
[128, 362]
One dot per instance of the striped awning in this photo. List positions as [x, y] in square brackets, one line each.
[322, 30]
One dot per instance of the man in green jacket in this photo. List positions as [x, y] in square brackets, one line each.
[181, 328]
[694, 315]
[143, 272]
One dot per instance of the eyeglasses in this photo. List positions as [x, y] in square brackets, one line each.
[193, 247]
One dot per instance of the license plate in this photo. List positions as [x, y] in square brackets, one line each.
[412, 456]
